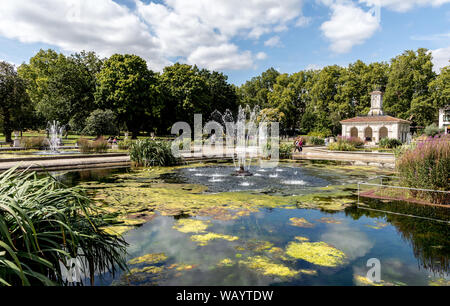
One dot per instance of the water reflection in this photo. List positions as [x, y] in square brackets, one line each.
[411, 250]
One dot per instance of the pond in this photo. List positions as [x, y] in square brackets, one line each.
[294, 225]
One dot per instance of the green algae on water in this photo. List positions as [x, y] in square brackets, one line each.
[266, 266]
[301, 222]
[191, 226]
[203, 240]
[318, 253]
[149, 259]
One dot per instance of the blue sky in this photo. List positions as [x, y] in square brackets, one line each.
[240, 38]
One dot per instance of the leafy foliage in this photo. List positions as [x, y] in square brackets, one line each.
[42, 223]
[286, 151]
[88, 146]
[148, 153]
[101, 122]
[390, 143]
[126, 86]
[433, 130]
[427, 166]
[14, 101]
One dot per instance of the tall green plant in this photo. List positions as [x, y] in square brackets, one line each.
[43, 223]
[427, 166]
[148, 153]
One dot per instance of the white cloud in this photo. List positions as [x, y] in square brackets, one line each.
[349, 26]
[441, 58]
[274, 41]
[158, 32]
[303, 21]
[221, 57]
[404, 5]
[261, 56]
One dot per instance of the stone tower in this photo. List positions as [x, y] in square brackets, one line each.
[376, 108]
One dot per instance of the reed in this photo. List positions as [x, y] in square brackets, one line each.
[43, 223]
[427, 166]
[148, 153]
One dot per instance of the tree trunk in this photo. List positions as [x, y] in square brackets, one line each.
[7, 129]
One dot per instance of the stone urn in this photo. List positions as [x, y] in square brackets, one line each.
[16, 141]
[126, 136]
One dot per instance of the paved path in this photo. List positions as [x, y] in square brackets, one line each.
[89, 162]
[358, 158]
[72, 163]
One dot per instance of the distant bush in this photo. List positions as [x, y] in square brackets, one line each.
[101, 122]
[433, 130]
[390, 143]
[38, 143]
[88, 146]
[341, 146]
[316, 141]
[346, 144]
[354, 141]
[427, 166]
[148, 153]
[125, 145]
[286, 151]
[321, 134]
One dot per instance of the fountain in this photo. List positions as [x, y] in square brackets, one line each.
[243, 133]
[55, 134]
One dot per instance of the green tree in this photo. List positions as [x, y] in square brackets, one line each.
[188, 91]
[14, 101]
[101, 122]
[408, 94]
[61, 88]
[290, 95]
[325, 101]
[128, 87]
[440, 88]
[255, 92]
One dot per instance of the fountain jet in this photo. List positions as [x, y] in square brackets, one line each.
[243, 133]
[55, 133]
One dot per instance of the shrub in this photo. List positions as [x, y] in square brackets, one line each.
[390, 143]
[39, 143]
[346, 144]
[147, 153]
[427, 166]
[101, 122]
[42, 223]
[321, 134]
[125, 145]
[432, 130]
[88, 146]
[354, 141]
[316, 141]
[286, 151]
[341, 146]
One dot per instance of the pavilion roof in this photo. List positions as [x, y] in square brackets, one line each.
[375, 119]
